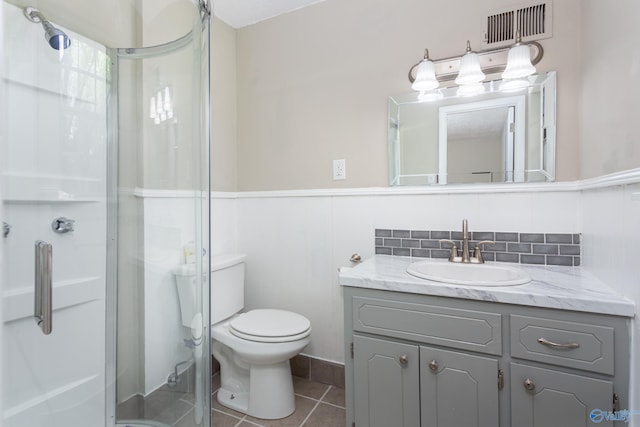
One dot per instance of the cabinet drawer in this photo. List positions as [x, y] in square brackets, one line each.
[575, 345]
[464, 329]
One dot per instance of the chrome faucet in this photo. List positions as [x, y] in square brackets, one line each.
[466, 255]
[465, 241]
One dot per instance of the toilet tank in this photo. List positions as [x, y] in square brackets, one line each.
[227, 286]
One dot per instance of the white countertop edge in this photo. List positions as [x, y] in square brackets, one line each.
[563, 288]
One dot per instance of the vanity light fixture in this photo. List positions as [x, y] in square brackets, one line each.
[467, 71]
[519, 67]
[470, 71]
[518, 61]
[425, 75]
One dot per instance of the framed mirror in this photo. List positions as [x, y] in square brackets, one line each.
[496, 136]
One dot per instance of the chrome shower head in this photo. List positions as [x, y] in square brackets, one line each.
[56, 38]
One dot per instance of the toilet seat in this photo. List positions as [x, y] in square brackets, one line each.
[268, 325]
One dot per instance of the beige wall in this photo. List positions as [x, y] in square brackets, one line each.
[610, 141]
[223, 107]
[313, 85]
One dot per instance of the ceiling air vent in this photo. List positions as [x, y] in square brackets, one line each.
[533, 20]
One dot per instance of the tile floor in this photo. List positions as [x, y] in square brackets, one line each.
[317, 405]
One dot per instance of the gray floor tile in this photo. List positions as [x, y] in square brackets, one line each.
[309, 388]
[335, 396]
[219, 407]
[303, 408]
[325, 416]
[188, 420]
[220, 419]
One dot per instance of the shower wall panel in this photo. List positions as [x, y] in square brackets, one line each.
[54, 165]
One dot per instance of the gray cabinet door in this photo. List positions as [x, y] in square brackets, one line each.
[556, 399]
[386, 383]
[458, 389]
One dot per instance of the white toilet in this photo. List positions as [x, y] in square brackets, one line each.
[253, 348]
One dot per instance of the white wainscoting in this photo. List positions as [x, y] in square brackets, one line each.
[296, 240]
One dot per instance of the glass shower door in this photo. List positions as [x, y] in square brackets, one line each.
[54, 227]
[105, 193]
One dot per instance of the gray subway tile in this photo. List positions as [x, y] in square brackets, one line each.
[559, 238]
[379, 241]
[448, 245]
[383, 232]
[402, 251]
[519, 247]
[507, 257]
[489, 256]
[483, 235]
[545, 249]
[496, 247]
[403, 234]
[576, 239]
[560, 260]
[440, 253]
[430, 244]
[531, 237]
[421, 253]
[410, 243]
[532, 259]
[506, 237]
[440, 234]
[419, 234]
[456, 235]
[569, 250]
[394, 243]
[383, 251]
[576, 261]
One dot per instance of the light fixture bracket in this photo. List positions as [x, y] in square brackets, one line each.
[491, 61]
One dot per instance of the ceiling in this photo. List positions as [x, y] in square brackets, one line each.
[240, 13]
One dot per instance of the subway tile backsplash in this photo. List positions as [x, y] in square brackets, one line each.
[522, 248]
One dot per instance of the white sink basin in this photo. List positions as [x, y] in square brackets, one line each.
[469, 274]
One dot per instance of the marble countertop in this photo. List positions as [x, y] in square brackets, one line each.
[566, 288]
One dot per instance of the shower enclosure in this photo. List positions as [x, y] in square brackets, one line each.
[104, 163]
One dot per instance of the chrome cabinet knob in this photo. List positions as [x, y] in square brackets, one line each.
[433, 365]
[529, 385]
[404, 359]
[62, 225]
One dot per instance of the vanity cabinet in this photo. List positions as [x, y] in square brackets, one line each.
[391, 389]
[420, 360]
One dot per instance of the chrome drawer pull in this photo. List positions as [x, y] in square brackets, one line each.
[567, 346]
[43, 286]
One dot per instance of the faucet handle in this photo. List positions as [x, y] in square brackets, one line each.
[477, 253]
[454, 257]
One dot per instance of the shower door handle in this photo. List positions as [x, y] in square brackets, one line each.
[43, 286]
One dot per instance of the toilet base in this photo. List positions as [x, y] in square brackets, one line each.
[261, 401]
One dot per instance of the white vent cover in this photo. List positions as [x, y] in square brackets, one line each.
[534, 20]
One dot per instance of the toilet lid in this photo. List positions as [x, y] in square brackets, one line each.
[267, 325]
